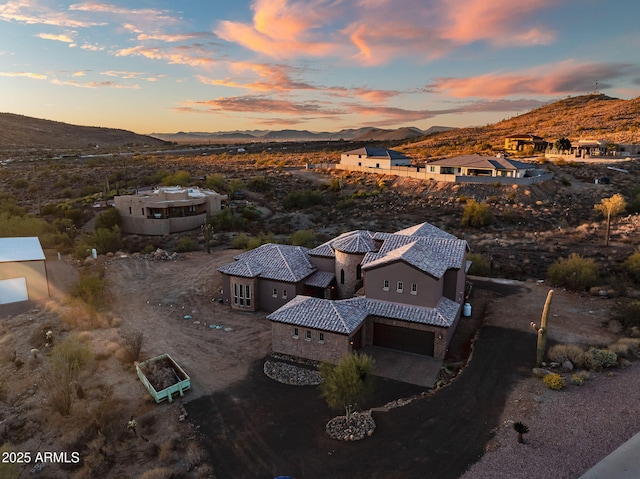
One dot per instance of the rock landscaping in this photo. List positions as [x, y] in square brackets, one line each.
[291, 374]
[361, 425]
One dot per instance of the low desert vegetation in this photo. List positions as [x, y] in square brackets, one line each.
[480, 265]
[574, 273]
[554, 381]
[476, 214]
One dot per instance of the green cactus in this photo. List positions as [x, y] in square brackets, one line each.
[542, 330]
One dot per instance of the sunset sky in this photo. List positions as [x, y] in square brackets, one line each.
[321, 65]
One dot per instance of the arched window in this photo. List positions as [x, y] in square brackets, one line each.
[342, 276]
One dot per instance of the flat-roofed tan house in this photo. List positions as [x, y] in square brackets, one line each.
[410, 292]
[374, 157]
[23, 270]
[166, 210]
[523, 142]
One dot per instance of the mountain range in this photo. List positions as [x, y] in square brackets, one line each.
[594, 116]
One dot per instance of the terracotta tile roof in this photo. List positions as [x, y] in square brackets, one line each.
[345, 316]
[272, 261]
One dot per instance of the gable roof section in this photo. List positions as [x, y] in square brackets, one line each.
[354, 242]
[345, 316]
[20, 249]
[376, 152]
[272, 261]
[479, 161]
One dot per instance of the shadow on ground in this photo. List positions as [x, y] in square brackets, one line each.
[262, 429]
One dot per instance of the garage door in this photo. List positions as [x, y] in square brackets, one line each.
[403, 339]
[13, 290]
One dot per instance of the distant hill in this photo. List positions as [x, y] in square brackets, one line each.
[358, 134]
[583, 117]
[19, 132]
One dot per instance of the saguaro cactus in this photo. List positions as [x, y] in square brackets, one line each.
[542, 330]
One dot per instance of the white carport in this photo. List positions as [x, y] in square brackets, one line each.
[23, 272]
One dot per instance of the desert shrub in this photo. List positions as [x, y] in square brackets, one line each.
[476, 214]
[463, 199]
[560, 353]
[480, 266]
[554, 381]
[259, 184]
[302, 199]
[148, 249]
[262, 238]
[106, 240]
[179, 178]
[596, 359]
[576, 380]
[575, 273]
[306, 238]
[15, 226]
[19, 183]
[92, 288]
[215, 182]
[626, 348]
[346, 204]
[65, 362]
[632, 265]
[240, 242]
[108, 219]
[627, 311]
[131, 342]
[227, 221]
[251, 213]
[185, 244]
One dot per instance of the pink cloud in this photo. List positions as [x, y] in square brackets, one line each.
[556, 79]
[32, 13]
[284, 28]
[186, 55]
[94, 84]
[261, 104]
[35, 76]
[57, 38]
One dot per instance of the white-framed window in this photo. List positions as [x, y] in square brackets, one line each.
[432, 169]
[275, 293]
[296, 333]
[385, 285]
[284, 294]
[321, 337]
[307, 335]
[399, 287]
[241, 294]
[414, 288]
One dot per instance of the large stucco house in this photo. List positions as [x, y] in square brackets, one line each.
[166, 210]
[404, 291]
[374, 157]
[23, 270]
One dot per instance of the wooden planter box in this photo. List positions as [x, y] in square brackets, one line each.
[163, 377]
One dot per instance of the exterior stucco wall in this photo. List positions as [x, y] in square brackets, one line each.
[284, 292]
[429, 288]
[323, 264]
[331, 349]
[35, 274]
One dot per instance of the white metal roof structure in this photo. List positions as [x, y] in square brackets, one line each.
[21, 249]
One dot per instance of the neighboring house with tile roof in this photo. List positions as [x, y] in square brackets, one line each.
[374, 157]
[480, 165]
[524, 142]
[402, 291]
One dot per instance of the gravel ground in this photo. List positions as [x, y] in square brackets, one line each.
[569, 430]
